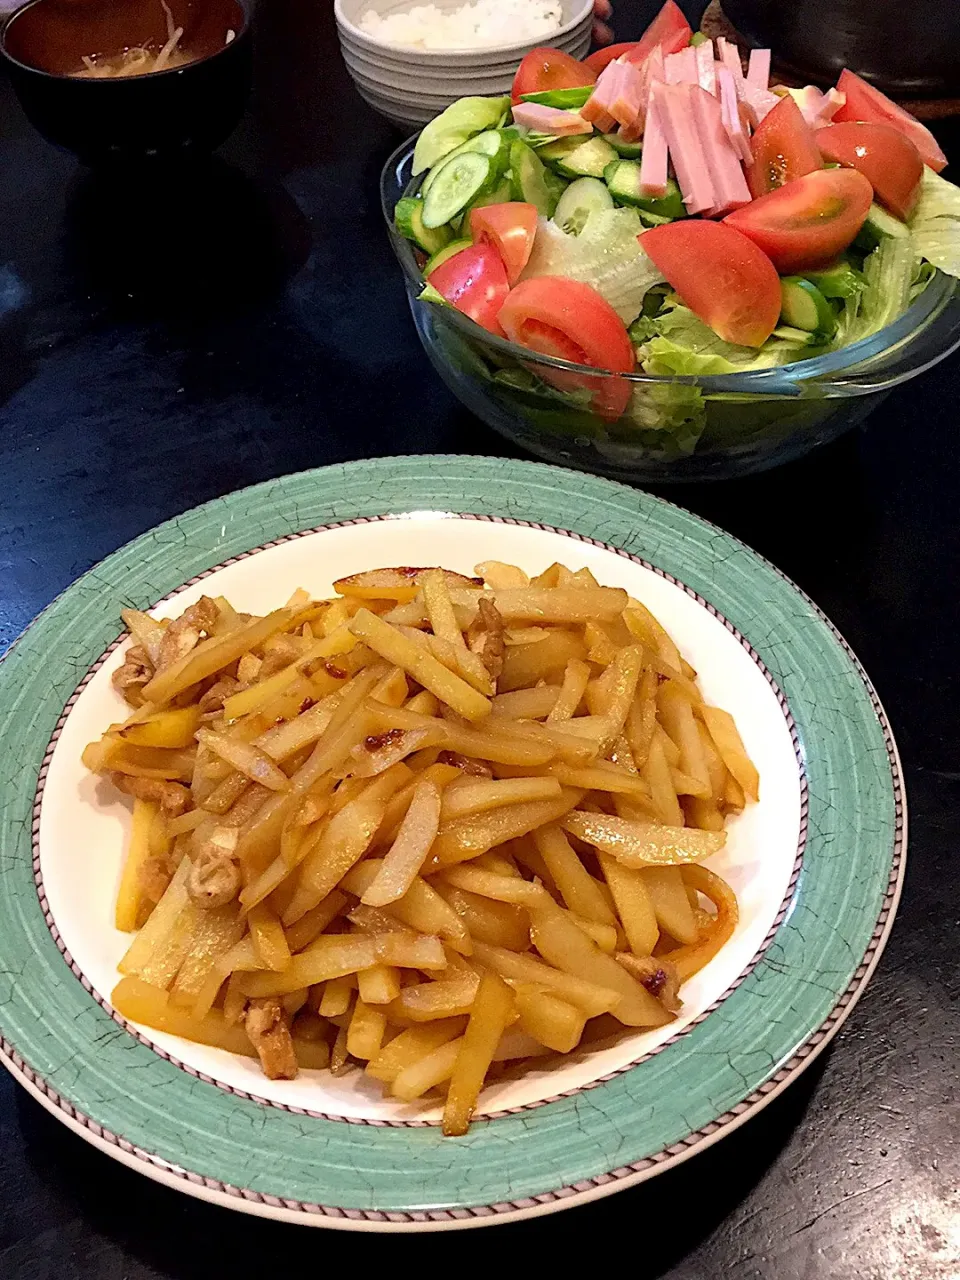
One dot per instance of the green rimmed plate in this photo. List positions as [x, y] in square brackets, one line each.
[817, 865]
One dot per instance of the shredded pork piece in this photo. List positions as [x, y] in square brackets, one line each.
[211, 704]
[136, 671]
[154, 878]
[172, 797]
[214, 878]
[279, 653]
[266, 1024]
[248, 668]
[157, 872]
[485, 637]
[184, 632]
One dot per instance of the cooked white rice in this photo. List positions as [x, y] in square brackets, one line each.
[480, 25]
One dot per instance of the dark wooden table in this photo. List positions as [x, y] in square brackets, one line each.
[251, 322]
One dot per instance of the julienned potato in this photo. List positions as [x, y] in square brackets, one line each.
[432, 828]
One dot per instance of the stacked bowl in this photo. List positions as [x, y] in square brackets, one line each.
[411, 85]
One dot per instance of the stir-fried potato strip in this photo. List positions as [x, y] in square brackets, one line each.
[429, 829]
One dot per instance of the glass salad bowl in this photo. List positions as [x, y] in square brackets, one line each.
[674, 429]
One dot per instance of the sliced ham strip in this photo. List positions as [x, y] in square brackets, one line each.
[729, 185]
[730, 57]
[653, 161]
[653, 69]
[675, 112]
[760, 101]
[596, 115]
[758, 69]
[616, 74]
[672, 73]
[731, 114]
[534, 116]
[596, 109]
[651, 72]
[706, 72]
[756, 87]
[627, 107]
[634, 94]
[681, 68]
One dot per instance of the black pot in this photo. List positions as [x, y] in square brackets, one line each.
[908, 48]
[185, 110]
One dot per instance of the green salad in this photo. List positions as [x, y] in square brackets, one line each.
[666, 211]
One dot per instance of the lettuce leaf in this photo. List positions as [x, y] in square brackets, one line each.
[530, 136]
[672, 416]
[935, 225]
[606, 254]
[678, 342]
[890, 273]
[453, 127]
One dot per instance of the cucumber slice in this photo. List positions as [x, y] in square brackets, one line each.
[502, 193]
[553, 152]
[840, 280]
[803, 306]
[492, 144]
[880, 225]
[408, 218]
[653, 219]
[459, 181]
[532, 182]
[446, 252]
[565, 99]
[798, 336]
[623, 179]
[451, 128]
[496, 145]
[581, 198]
[429, 294]
[670, 205]
[588, 160]
[629, 150]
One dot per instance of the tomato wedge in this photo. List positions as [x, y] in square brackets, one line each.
[570, 321]
[807, 222]
[544, 69]
[602, 58]
[475, 282]
[510, 228]
[884, 156]
[721, 276]
[669, 29]
[784, 147]
[866, 103]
